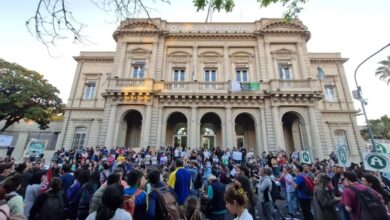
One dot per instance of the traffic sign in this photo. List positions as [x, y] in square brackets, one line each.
[342, 156]
[377, 162]
[305, 157]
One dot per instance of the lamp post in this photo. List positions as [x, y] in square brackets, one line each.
[357, 94]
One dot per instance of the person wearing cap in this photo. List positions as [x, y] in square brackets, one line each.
[215, 194]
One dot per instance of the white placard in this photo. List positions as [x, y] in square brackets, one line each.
[342, 156]
[237, 155]
[376, 161]
[305, 157]
[5, 140]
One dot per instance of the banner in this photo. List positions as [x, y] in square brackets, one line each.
[236, 86]
[305, 157]
[382, 148]
[5, 140]
[342, 156]
[237, 155]
[36, 145]
[376, 162]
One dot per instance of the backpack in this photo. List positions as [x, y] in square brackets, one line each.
[309, 186]
[167, 204]
[198, 181]
[276, 191]
[371, 206]
[53, 207]
[129, 202]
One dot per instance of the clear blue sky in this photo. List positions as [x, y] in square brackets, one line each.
[355, 28]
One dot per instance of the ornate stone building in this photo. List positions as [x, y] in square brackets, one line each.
[211, 84]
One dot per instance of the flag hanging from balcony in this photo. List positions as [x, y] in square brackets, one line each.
[236, 86]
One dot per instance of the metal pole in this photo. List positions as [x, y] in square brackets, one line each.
[362, 101]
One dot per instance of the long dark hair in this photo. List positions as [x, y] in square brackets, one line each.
[112, 200]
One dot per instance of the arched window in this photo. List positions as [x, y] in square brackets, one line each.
[320, 73]
[79, 138]
[181, 129]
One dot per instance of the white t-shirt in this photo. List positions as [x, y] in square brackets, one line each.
[244, 216]
[120, 214]
[289, 183]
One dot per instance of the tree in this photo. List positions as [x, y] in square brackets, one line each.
[25, 94]
[384, 71]
[380, 128]
[53, 19]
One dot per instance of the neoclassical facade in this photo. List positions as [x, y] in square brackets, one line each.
[211, 84]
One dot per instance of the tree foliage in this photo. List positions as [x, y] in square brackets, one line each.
[25, 94]
[384, 70]
[54, 20]
[380, 128]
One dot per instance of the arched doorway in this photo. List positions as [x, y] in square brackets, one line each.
[177, 130]
[293, 132]
[133, 119]
[210, 130]
[245, 131]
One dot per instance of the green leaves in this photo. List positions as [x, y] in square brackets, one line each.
[380, 128]
[25, 94]
[384, 70]
[294, 7]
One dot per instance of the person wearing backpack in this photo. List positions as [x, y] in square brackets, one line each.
[264, 187]
[49, 205]
[135, 198]
[323, 201]
[158, 208]
[361, 201]
[305, 187]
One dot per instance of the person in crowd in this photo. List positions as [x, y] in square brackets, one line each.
[349, 196]
[247, 186]
[112, 203]
[67, 177]
[134, 181]
[120, 171]
[191, 209]
[32, 191]
[105, 173]
[180, 181]
[215, 194]
[264, 187]
[4, 208]
[290, 191]
[14, 200]
[304, 196]
[74, 192]
[236, 202]
[88, 189]
[25, 172]
[49, 205]
[374, 183]
[323, 201]
[97, 196]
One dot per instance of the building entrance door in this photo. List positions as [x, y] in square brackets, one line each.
[240, 141]
[180, 141]
[208, 142]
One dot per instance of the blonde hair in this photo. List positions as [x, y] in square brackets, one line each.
[235, 192]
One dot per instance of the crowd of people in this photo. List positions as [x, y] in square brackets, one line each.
[191, 184]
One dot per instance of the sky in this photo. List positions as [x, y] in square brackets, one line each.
[355, 28]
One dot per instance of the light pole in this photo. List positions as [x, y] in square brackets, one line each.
[357, 94]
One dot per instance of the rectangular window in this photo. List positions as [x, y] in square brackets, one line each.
[178, 75]
[284, 71]
[242, 75]
[210, 75]
[329, 94]
[138, 70]
[79, 138]
[90, 87]
[341, 138]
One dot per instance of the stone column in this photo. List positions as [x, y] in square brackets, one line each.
[226, 65]
[301, 61]
[195, 63]
[229, 128]
[277, 128]
[263, 130]
[159, 127]
[268, 55]
[111, 126]
[193, 131]
[258, 148]
[146, 126]
[316, 148]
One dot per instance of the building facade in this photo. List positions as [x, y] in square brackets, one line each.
[211, 84]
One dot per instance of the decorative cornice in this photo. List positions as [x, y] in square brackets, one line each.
[328, 60]
[84, 109]
[107, 59]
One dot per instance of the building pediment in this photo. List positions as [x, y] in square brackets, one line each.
[287, 27]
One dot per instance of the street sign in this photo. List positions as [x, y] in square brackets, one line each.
[382, 148]
[377, 162]
[305, 157]
[342, 156]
